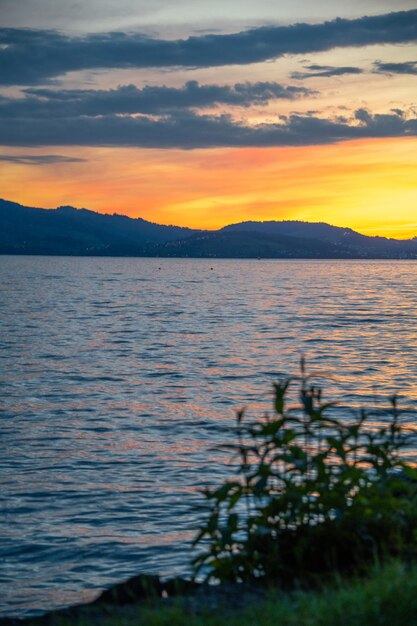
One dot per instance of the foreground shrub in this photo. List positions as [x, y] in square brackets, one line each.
[314, 493]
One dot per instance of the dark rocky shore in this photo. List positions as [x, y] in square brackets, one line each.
[124, 597]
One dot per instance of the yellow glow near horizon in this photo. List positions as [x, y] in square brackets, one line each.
[367, 185]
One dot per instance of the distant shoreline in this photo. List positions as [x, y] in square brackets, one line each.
[208, 258]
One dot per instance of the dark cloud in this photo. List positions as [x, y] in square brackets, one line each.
[30, 57]
[186, 130]
[149, 100]
[45, 159]
[325, 71]
[408, 67]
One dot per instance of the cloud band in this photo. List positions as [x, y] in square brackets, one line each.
[30, 57]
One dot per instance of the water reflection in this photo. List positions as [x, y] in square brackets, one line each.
[119, 378]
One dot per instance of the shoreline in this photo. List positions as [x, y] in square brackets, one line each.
[386, 595]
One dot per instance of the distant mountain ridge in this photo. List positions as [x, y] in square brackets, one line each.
[66, 230]
[81, 232]
[297, 228]
[344, 237]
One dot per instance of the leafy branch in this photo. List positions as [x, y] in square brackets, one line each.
[313, 493]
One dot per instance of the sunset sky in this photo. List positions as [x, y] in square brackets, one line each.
[206, 113]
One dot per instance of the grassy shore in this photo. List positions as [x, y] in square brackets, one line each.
[387, 597]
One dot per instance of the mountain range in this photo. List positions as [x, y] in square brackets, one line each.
[81, 232]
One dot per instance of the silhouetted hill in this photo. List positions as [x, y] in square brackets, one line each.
[316, 230]
[66, 230]
[309, 230]
[345, 238]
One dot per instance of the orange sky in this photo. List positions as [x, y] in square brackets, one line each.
[368, 185]
[356, 78]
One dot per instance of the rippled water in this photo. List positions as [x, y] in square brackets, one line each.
[118, 374]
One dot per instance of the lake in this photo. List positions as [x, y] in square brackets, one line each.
[119, 375]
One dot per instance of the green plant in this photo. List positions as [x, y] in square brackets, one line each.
[314, 493]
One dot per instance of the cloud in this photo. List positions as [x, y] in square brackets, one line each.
[45, 159]
[408, 67]
[31, 57]
[325, 71]
[187, 130]
[128, 100]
